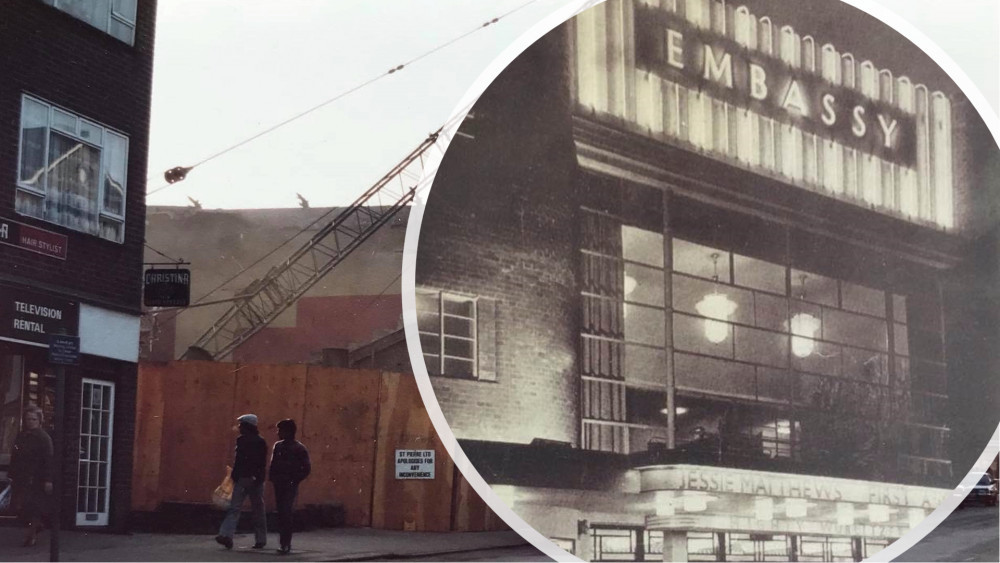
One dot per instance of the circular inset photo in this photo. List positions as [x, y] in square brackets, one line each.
[716, 281]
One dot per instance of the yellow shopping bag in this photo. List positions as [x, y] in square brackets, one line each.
[224, 492]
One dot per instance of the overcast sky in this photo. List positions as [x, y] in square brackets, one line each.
[227, 69]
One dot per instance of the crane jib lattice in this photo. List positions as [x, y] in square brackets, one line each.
[264, 299]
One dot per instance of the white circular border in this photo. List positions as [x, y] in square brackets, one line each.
[408, 280]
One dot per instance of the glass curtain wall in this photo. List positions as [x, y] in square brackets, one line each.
[773, 362]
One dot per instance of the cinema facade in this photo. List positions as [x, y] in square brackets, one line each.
[696, 281]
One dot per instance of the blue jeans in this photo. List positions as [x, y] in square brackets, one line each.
[240, 492]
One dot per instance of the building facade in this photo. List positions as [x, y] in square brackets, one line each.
[75, 111]
[229, 248]
[716, 282]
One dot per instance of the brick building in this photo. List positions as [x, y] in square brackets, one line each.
[73, 141]
[357, 302]
[716, 282]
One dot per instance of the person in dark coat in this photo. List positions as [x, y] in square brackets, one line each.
[289, 466]
[248, 481]
[31, 473]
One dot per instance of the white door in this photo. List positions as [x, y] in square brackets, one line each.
[97, 410]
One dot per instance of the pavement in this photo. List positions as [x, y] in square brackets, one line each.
[968, 534]
[336, 544]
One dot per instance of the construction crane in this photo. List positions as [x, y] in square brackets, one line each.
[266, 298]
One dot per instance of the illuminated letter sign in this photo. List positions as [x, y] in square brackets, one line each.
[674, 49]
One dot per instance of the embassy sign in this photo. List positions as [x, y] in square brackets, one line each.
[31, 317]
[673, 48]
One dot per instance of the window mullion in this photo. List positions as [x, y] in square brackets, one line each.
[441, 333]
[475, 339]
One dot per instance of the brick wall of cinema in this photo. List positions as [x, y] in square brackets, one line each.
[500, 223]
[50, 54]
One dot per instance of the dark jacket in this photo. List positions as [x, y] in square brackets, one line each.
[31, 459]
[251, 457]
[289, 462]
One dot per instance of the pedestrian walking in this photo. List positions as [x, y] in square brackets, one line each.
[30, 473]
[289, 467]
[248, 481]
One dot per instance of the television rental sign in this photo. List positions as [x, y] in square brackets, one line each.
[31, 317]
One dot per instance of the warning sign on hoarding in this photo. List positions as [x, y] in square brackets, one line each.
[414, 464]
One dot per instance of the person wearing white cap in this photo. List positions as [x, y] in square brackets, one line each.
[248, 481]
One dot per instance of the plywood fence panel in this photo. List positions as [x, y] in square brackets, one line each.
[470, 513]
[148, 436]
[338, 427]
[272, 392]
[412, 504]
[198, 432]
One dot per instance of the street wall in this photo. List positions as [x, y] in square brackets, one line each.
[352, 421]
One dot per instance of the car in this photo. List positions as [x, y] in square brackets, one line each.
[984, 491]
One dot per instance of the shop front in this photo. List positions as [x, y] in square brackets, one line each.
[722, 514]
[29, 377]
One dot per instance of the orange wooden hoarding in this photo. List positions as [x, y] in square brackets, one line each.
[352, 421]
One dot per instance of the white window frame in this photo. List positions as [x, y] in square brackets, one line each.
[440, 298]
[75, 135]
[114, 16]
[101, 517]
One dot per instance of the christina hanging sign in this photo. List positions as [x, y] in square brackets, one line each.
[697, 58]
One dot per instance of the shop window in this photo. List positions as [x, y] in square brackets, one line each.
[873, 546]
[654, 545]
[448, 333]
[72, 171]
[114, 17]
[613, 544]
[11, 392]
[758, 547]
[821, 548]
[702, 546]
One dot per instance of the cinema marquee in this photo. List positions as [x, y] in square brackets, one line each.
[713, 77]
